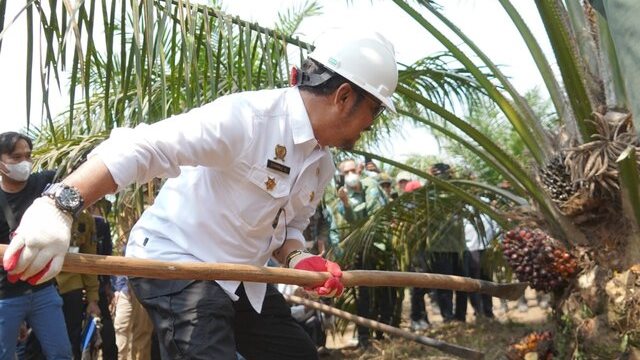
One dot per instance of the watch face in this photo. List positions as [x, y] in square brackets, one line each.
[69, 198]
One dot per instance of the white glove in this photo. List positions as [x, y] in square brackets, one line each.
[36, 252]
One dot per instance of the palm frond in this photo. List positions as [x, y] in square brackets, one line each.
[557, 94]
[291, 19]
[555, 19]
[516, 118]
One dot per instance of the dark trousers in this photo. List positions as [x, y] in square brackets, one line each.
[450, 263]
[107, 333]
[418, 306]
[73, 309]
[198, 320]
[373, 303]
[313, 326]
[482, 303]
[376, 304]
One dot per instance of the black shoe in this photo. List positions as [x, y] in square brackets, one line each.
[489, 316]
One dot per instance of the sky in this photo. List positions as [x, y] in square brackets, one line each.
[483, 20]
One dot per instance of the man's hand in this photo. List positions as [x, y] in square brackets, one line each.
[343, 194]
[108, 292]
[93, 309]
[333, 286]
[37, 249]
[24, 332]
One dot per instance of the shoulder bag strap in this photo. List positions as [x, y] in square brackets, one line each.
[8, 214]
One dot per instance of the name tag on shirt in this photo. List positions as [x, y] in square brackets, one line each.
[278, 167]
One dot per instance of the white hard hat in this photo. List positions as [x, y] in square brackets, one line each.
[365, 58]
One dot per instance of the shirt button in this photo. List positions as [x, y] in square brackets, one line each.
[312, 196]
[317, 171]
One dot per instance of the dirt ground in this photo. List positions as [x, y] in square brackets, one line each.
[489, 336]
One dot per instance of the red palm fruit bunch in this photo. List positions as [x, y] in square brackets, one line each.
[536, 258]
[539, 342]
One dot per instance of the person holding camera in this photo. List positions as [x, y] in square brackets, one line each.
[359, 198]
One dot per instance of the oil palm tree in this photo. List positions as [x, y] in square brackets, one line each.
[582, 186]
[165, 57]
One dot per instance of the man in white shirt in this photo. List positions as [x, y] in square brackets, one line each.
[246, 173]
[478, 236]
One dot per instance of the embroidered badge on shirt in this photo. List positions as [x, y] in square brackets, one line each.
[278, 167]
[270, 184]
[281, 152]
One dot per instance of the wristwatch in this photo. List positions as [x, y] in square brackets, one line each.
[293, 254]
[67, 198]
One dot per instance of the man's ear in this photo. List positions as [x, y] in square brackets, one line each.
[343, 95]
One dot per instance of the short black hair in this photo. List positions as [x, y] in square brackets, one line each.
[440, 168]
[9, 139]
[310, 66]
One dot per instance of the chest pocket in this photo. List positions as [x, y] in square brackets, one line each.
[305, 197]
[267, 192]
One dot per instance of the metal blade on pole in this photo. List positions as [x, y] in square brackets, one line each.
[453, 349]
[156, 269]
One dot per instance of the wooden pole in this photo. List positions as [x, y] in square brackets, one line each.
[156, 269]
[459, 351]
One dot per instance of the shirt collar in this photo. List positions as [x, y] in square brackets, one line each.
[299, 120]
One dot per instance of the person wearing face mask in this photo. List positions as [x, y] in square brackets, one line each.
[39, 305]
[361, 195]
[359, 198]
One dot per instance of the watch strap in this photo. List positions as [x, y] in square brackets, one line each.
[53, 191]
[293, 254]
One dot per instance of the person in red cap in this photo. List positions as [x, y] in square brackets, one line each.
[412, 185]
[419, 316]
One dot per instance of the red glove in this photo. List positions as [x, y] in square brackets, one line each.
[333, 286]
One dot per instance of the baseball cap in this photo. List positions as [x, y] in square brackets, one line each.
[412, 185]
[384, 178]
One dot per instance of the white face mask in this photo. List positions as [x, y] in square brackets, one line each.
[368, 173]
[352, 180]
[19, 171]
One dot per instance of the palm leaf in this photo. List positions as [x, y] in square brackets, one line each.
[555, 19]
[512, 114]
[630, 182]
[557, 94]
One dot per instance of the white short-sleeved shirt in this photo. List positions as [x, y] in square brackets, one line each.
[227, 162]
